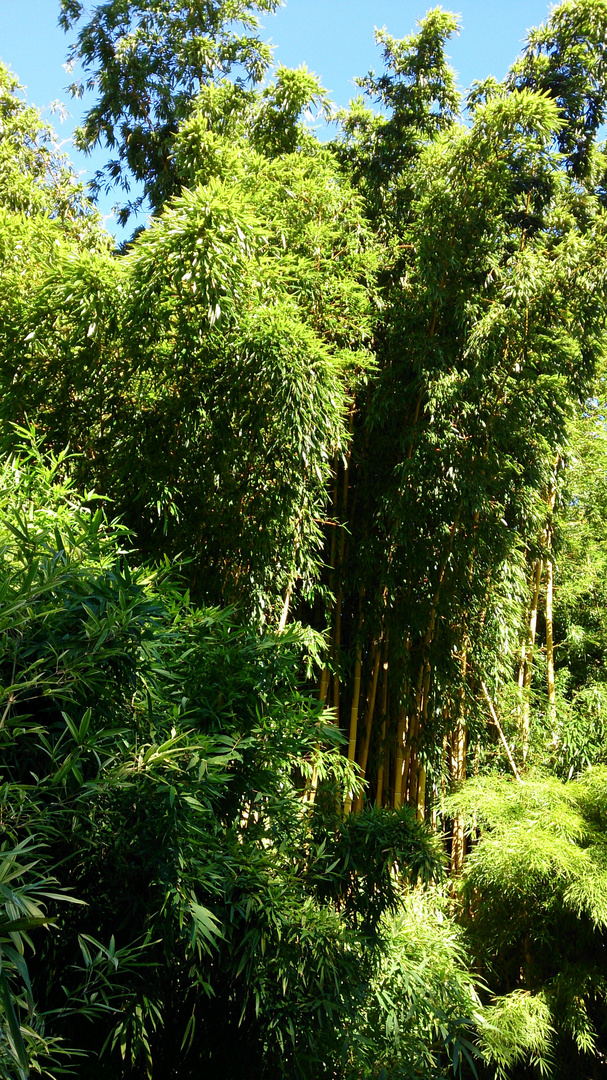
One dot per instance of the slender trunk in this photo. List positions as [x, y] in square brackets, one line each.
[458, 769]
[549, 617]
[342, 549]
[336, 654]
[416, 724]
[500, 732]
[311, 788]
[550, 649]
[383, 748]
[368, 720]
[355, 703]
[409, 758]
[412, 763]
[421, 793]
[526, 667]
[411, 778]
[323, 685]
[354, 707]
[398, 764]
[285, 611]
[338, 607]
[325, 675]
[383, 764]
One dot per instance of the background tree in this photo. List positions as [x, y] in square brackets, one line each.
[147, 62]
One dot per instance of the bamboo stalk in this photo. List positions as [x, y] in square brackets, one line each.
[383, 749]
[549, 617]
[495, 719]
[550, 648]
[325, 676]
[355, 704]
[421, 793]
[370, 709]
[336, 652]
[412, 778]
[285, 611]
[458, 769]
[353, 732]
[398, 764]
[323, 685]
[368, 720]
[342, 550]
[381, 769]
[526, 667]
[311, 789]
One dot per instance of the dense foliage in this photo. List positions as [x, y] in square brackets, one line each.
[153, 763]
[329, 539]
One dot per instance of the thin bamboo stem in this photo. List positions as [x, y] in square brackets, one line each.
[420, 812]
[495, 720]
[383, 748]
[353, 732]
[285, 611]
[550, 648]
[549, 618]
[398, 763]
[527, 659]
[458, 769]
[368, 720]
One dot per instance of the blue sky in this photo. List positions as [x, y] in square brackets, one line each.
[333, 37]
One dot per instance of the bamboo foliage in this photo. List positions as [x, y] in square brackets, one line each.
[449, 430]
[343, 370]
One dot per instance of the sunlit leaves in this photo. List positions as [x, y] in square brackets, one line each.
[147, 62]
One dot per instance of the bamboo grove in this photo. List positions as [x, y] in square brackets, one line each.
[339, 377]
[352, 388]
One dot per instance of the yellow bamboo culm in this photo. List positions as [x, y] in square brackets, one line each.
[420, 812]
[285, 611]
[398, 764]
